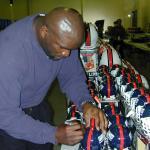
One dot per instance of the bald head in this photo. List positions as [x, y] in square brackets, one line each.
[66, 22]
[60, 31]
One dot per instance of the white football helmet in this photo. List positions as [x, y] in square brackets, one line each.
[109, 57]
[91, 39]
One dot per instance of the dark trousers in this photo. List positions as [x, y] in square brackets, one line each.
[41, 112]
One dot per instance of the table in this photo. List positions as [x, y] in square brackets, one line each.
[141, 46]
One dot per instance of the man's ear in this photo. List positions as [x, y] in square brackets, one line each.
[43, 31]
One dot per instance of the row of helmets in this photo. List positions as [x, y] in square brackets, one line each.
[133, 89]
[117, 79]
[123, 81]
[120, 129]
[119, 134]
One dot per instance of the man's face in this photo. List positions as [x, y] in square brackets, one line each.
[57, 46]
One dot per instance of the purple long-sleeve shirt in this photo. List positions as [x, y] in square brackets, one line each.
[26, 74]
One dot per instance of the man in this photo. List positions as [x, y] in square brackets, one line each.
[33, 52]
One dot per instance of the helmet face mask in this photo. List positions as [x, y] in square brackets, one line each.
[143, 121]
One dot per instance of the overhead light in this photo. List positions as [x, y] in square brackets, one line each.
[129, 15]
[11, 3]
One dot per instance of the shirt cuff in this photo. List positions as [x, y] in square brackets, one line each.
[50, 135]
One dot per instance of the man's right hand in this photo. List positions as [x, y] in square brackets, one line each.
[70, 134]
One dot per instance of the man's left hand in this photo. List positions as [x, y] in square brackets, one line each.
[91, 111]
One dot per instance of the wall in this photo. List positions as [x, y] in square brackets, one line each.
[4, 9]
[47, 5]
[107, 10]
[143, 13]
[128, 7]
[18, 10]
[93, 10]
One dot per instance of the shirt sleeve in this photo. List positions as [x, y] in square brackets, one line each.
[12, 119]
[72, 79]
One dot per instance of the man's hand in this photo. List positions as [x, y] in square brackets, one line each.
[90, 111]
[70, 134]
